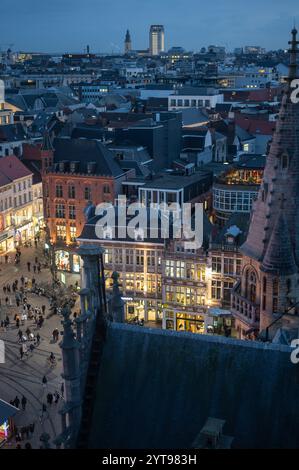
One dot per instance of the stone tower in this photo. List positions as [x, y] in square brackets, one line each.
[268, 292]
[128, 42]
[47, 152]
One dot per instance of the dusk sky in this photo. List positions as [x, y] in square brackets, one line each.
[68, 25]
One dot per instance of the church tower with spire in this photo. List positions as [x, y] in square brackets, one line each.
[267, 297]
[128, 42]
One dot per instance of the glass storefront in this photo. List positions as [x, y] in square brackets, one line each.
[62, 260]
[65, 261]
[147, 310]
[181, 321]
[191, 323]
[6, 243]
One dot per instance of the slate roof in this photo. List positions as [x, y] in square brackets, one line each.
[12, 133]
[156, 389]
[235, 220]
[251, 161]
[26, 101]
[84, 151]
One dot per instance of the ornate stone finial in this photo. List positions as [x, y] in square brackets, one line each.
[117, 303]
[115, 277]
[66, 311]
[45, 438]
[68, 340]
[293, 51]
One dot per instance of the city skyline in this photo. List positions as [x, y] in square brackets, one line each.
[69, 26]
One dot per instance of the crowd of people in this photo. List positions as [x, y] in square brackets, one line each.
[20, 313]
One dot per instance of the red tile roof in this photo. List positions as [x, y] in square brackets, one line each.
[12, 168]
[255, 126]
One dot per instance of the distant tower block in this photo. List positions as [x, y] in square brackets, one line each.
[128, 42]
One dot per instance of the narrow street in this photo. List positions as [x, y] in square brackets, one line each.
[24, 376]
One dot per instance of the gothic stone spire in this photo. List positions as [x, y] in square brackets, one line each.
[281, 176]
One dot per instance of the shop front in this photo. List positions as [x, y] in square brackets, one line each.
[219, 322]
[142, 310]
[184, 321]
[67, 261]
[6, 242]
[24, 233]
[7, 413]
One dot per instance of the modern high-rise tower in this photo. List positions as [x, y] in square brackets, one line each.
[156, 39]
[128, 42]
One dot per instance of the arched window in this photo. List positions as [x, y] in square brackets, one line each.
[275, 289]
[252, 286]
[284, 161]
[264, 293]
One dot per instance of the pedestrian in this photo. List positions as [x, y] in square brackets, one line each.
[38, 268]
[43, 411]
[31, 347]
[28, 332]
[21, 353]
[36, 260]
[55, 335]
[62, 389]
[56, 397]
[28, 265]
[22, 280]
[6, 259]
[50, 398]
[43, 309]
[24, 402]
[44, 381]
[20, 335]
[33, 281]
[17, 401]
[31, 428]
[37, 339]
